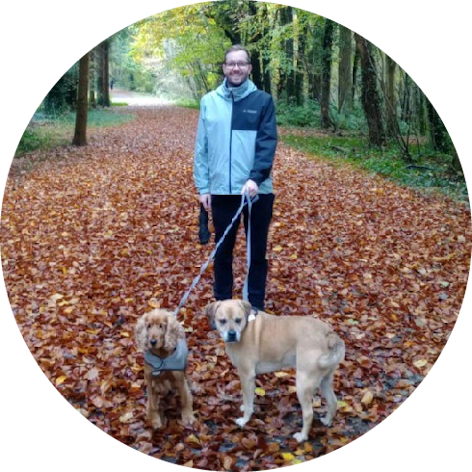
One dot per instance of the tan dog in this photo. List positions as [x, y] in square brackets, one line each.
[269, 343]
[159, 332]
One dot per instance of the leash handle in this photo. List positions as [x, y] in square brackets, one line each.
[245, 199]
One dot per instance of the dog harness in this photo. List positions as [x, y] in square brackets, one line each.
[176, 361]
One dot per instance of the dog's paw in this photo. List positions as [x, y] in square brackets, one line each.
[188, 419]
[156, 423]
[300, 437]
[326, 420]
[241, 421]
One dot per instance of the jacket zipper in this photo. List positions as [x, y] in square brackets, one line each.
[231, 141]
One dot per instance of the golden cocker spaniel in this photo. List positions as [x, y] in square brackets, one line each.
[158, 333]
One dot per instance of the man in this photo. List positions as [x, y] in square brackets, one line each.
[234, 152]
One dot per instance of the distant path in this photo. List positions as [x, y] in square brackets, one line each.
[136, 98]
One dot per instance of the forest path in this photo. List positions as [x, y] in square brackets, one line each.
[118, 95]
[93, 237]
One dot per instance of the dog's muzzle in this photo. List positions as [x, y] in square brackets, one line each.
[232, 336]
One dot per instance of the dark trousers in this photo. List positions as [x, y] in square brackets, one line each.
[223, 208]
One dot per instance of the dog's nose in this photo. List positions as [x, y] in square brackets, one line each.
[231, 336]
[153, 342]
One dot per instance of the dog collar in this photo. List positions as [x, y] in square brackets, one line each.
[176, 361]
[253, 314]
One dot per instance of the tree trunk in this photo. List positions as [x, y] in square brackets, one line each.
[370, 94]
[256, 61]
[345, 70]
[299, 73]
[289, 53]
[104, 76]
[326, 74]
[256, 70]
[456, 163]
[80, 135]
[439, 136]
[92, 61]
[390, 98]
[355, 68]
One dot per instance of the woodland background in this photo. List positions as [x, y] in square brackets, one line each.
[321, 74]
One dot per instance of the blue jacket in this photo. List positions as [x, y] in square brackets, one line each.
[236, 140]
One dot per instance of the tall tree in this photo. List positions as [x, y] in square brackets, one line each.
[439, 136]
[104, 74]
[345, 98]
[80, 135]
[370, 95]
[92, 99]
[227, 15]
[326, 74]
[390, 96]
[288, 77]
[456, 163]
[267, 20]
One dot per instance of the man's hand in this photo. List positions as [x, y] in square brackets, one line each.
[205, 200]
[251, 187]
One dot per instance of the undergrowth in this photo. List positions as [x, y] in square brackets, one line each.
[46, 132]
[428, 170]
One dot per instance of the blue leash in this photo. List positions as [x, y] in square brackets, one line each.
[248, 245]
[245, 200]
[178, 360]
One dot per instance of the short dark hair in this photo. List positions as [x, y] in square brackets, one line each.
[238, 47]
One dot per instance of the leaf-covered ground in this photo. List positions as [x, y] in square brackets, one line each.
[93, 237]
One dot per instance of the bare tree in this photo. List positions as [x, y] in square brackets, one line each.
[80, 135]
[327, 60]
[370, 95]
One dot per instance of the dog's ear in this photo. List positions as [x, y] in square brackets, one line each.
[140, 333]
[210, 312]
[174, 333]
[247, 307]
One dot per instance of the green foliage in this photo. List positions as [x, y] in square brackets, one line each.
[63, 96]
[430, 171]
[44, 132]
[188, 103]
[309, 116]
[187, 47]
[290, 114]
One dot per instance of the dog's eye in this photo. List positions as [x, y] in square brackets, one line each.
[238, 321]
[222, 322]
[149, 326]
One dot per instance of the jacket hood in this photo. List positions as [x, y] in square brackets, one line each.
[237, 93]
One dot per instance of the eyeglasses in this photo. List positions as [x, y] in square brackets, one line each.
[232, 65]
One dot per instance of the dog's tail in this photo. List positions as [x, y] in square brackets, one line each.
[336, 352]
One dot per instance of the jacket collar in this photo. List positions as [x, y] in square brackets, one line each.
[236, 93]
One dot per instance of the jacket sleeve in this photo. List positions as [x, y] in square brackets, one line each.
[200, 166]
[266, 143]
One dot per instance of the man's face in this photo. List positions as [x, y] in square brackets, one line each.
[236, 68]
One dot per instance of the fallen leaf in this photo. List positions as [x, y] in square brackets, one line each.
[386, 268]
[367, 398]
[60, 380]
